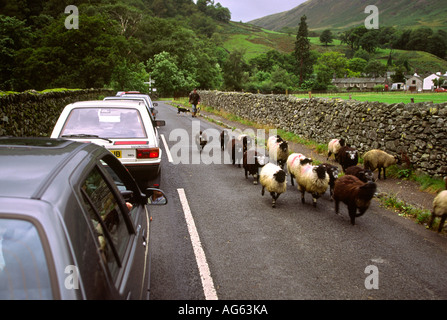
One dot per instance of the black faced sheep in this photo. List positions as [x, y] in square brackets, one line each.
[355, 194]
[363, 174]
[440, 208]
[332, 171]
[294, 161]
[201, 140]
[273, 178]
[236, 150]
[347, 157]
[252, 161]
[378, 159]
[278, 150]
[333, 147]
[314, 180]
[223, 139]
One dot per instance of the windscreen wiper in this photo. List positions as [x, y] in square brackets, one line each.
[83, 135]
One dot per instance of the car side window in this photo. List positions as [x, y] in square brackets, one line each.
[111, 230]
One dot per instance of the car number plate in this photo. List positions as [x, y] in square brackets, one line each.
[117, 153]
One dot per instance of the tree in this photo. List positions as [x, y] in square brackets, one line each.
[326, 37]
[302, 51]
[167, 75]
[234, 69]
[375, 68]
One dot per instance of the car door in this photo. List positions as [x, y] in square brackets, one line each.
[121, 226]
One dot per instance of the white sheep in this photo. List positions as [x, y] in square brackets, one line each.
[278, 150]
[294, 162]
[440, 208]
[314, 180]
[378, 159]
[273, 178]
[333, 147]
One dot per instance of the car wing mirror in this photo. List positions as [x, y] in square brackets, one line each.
[156, 197]
[160, 123]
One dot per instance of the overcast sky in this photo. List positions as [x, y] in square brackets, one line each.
[247, 10]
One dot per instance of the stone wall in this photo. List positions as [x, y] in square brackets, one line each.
[32, 114]
[419, 131]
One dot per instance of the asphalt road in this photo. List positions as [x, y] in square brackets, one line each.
[290, 252]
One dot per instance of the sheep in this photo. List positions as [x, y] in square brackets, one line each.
[313, 179]
[278, 150]
[251, 163]
[378, 159]
[332, 171]
[347, 157]
[201, 140]
[223, 139]
[355, 194]
[273, 178]
[294, 161]
[363, 174]
[235, 148]
[333, 147]
[440, 208]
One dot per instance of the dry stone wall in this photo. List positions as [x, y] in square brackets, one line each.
[416, 130]
[32, 114]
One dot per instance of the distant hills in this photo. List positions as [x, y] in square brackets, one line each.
[339, 15]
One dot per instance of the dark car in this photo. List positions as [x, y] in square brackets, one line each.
[73, 223]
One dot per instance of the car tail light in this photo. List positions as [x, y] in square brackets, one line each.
[148, 153]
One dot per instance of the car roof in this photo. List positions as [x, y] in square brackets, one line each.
[27, 165]
[125, 103]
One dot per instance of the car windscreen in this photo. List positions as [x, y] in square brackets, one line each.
[112, 123]
[23, 265]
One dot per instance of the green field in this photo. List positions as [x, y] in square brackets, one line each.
[386, 97]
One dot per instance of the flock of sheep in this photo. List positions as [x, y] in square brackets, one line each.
[356, 188]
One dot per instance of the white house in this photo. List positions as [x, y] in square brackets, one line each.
[414, 83]
[428, 81]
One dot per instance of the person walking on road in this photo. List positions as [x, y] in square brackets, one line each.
[194, 100]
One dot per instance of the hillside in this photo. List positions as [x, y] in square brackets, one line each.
[255, 40]
[344, 14]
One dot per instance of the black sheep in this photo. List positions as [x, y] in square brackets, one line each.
[333, 176]
[355, 194]
[347, 157]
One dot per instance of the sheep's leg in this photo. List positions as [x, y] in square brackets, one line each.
[384, 173]
[431, 220]
[380, 169]
[246, 174]
[302, 196]
[262, 192]
[291, 179]
[441, 224]
[337, 206]
[352, 210]
[314, 199]
[275, 197]
[328, 155]
[256, 178]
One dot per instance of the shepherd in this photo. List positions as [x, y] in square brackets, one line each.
[194, 100]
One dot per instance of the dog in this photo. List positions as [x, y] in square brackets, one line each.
[180, 110]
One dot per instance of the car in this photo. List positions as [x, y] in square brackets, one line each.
[124, 128]
[440, 90]
[136, 95]
[74, 225]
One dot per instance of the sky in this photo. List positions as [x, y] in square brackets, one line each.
[247, 10]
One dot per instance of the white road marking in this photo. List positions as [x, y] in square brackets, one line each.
[168, 153]
[205, 274]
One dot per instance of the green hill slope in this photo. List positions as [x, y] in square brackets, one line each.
[344, 14]
[255, 40]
